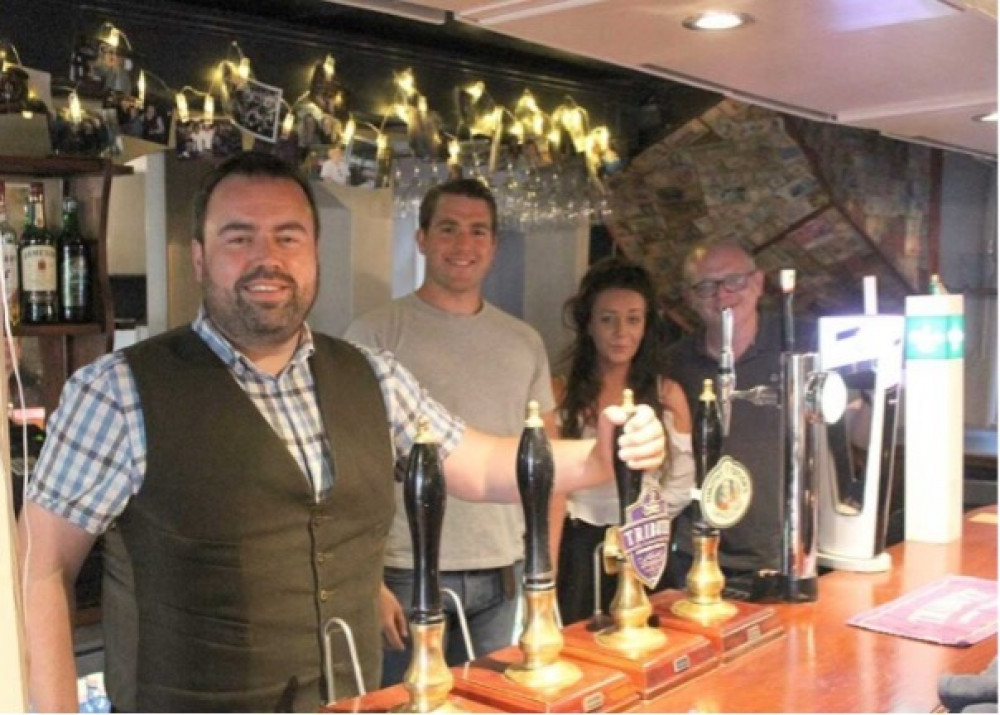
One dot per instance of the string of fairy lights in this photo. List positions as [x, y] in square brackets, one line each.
[480, 142]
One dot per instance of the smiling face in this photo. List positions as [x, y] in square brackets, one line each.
[617, 324]
[258, 265]
[459, 245]
[715, 265]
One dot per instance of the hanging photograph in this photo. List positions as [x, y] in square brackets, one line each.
[197, 139]
[102, 65]
[254, 106]
[15, 91]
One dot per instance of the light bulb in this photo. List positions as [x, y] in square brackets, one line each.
[600, 138]
[527, 102]
[475, 90]
[208, 113]
[287, 124]
[329, 66]
[244, 69]
[75, 111]
[405, 82]
[182, 107]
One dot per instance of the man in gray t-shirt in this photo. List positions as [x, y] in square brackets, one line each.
[483, 365]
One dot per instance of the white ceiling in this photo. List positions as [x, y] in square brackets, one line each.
[918, 70]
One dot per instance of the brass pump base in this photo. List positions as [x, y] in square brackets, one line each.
[705, 582]
[630, 608]
[428, 680]
[547, 677]
[704, 613]
[631, 639]
[541, 642]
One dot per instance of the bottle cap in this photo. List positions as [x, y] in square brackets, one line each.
[707, 391]
[936, 286]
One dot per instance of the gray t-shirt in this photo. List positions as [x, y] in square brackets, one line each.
[483, 368]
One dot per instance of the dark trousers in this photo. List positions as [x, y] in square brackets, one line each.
[489, 598]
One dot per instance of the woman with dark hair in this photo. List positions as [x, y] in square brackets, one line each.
[617, 346]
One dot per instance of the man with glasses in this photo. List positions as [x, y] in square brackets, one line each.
[720, 275]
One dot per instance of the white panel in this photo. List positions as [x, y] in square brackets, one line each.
[555, 261]
[13, 657]
[126, 225]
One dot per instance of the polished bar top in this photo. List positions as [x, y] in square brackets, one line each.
[825, 665]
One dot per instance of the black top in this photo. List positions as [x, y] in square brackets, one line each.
[754, 439]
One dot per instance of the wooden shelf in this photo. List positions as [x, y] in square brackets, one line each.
[57, 329]
[65, 347]
[57, 166]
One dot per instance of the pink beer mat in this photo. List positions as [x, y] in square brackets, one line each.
[957, 610]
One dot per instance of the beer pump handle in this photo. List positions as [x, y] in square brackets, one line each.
[628, 481]
[424, 500]
[787, 280]
[706, 439]
[726, 379]
[535, 477]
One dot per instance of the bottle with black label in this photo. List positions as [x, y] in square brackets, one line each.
[74, 267]
[39, 291]
[11, 260]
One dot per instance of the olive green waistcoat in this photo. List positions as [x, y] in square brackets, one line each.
[223, 569]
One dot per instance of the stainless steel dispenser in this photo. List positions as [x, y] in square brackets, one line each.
[857, 457]
[807, 396]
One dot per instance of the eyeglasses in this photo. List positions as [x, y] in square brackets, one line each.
[732, 283]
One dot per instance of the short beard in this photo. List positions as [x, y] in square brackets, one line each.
[246, 323]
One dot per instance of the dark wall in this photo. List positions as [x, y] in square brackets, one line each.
[183, 41]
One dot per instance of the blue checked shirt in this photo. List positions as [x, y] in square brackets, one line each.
[94, 458]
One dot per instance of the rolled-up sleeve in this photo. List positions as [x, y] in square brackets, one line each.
[93, 458]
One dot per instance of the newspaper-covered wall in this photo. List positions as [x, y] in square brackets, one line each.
[835, 203]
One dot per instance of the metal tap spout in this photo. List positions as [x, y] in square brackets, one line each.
[726, 378]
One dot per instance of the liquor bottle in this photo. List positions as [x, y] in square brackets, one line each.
[706, 439]
[74, 267]
[39, 288]
[11, 261]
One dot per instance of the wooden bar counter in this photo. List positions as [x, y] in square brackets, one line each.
[825, 665]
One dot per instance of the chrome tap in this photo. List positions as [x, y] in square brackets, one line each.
[797, 398]
[726, 379]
